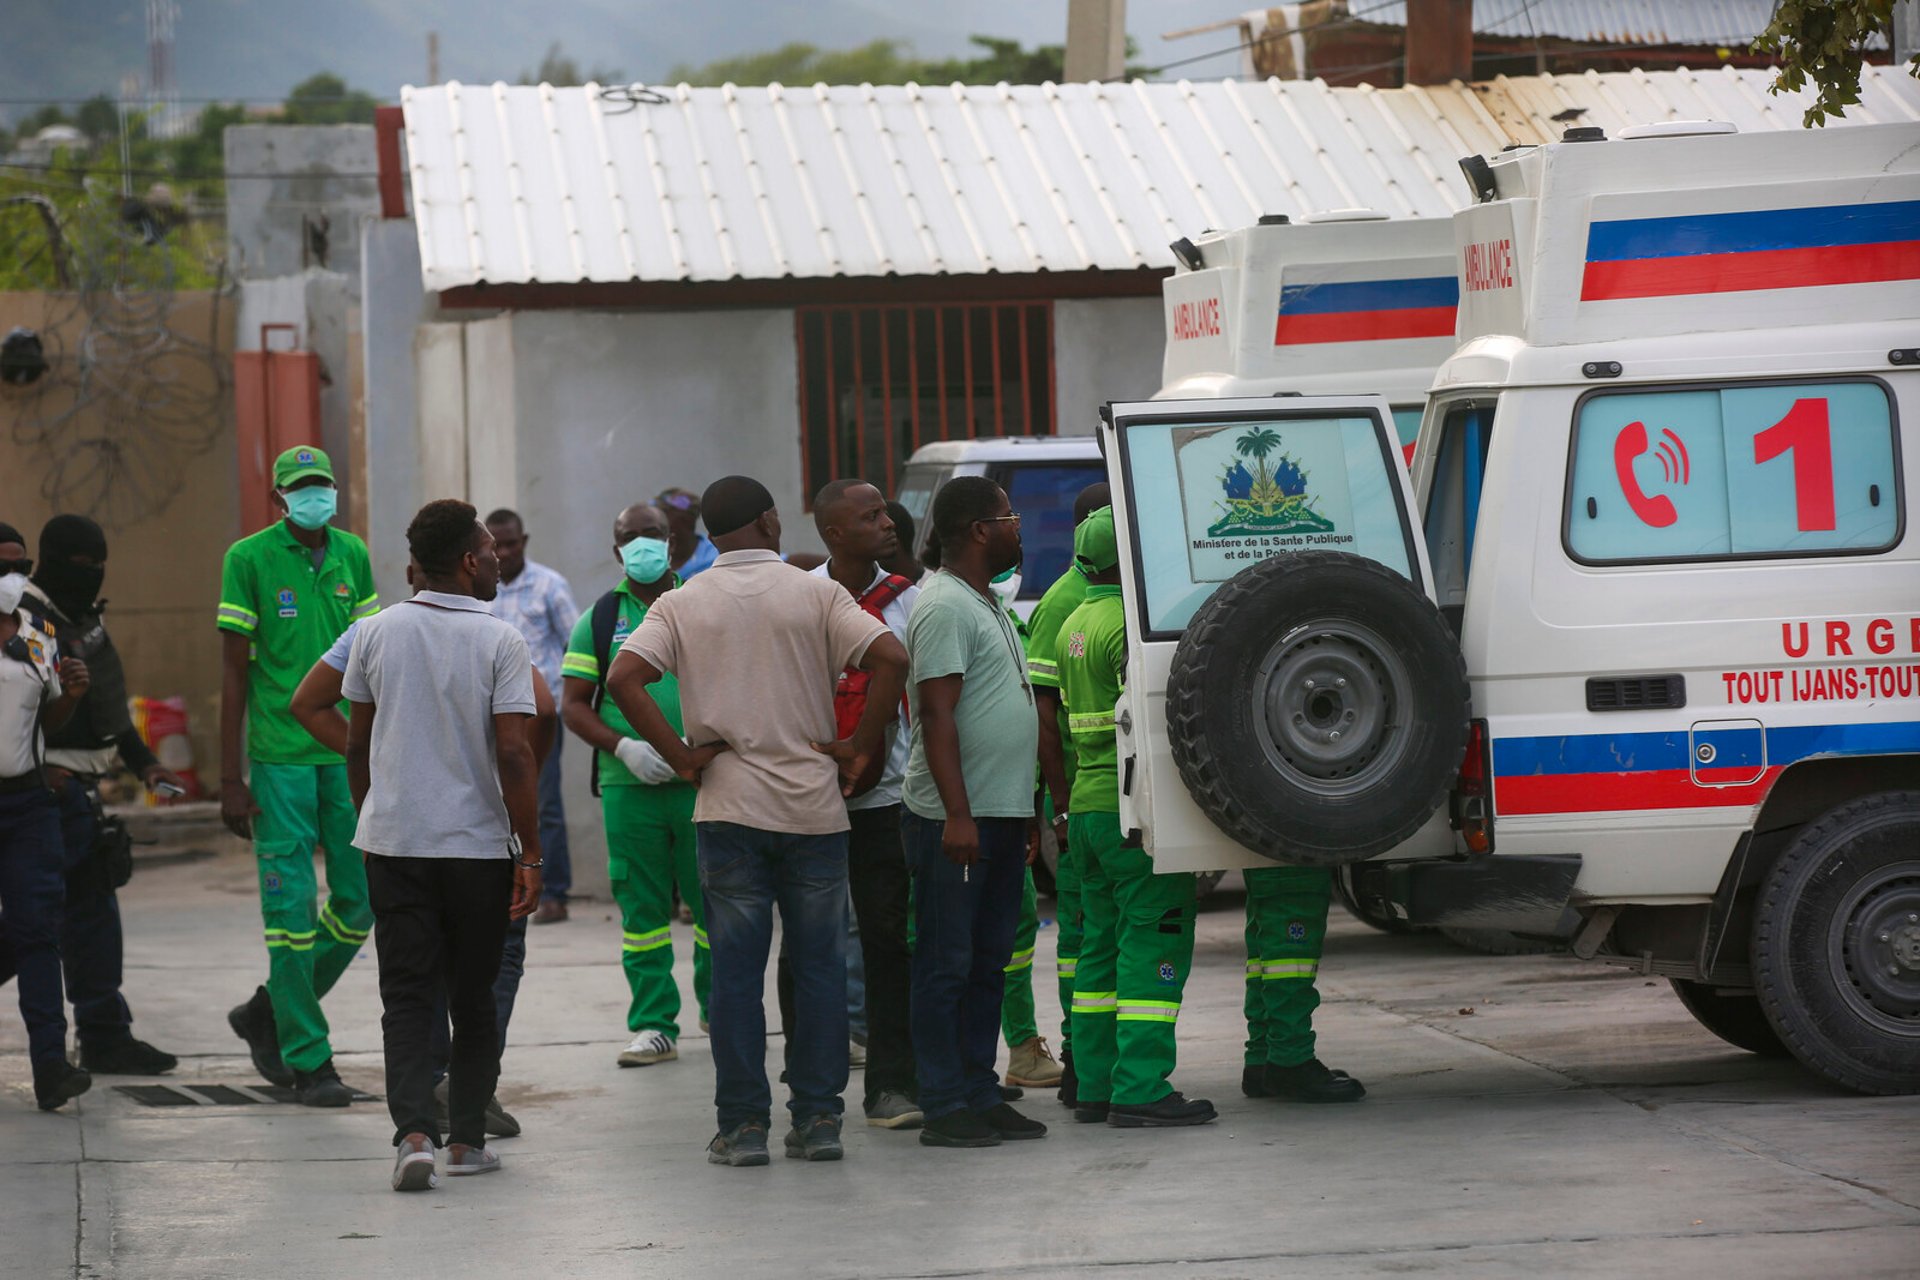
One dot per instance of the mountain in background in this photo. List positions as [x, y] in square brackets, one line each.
[258, 49]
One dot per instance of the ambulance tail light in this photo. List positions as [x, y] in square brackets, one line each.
[1473, 793]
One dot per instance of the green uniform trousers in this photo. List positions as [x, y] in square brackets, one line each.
[1071, 924]
[650, 846]
[1017, 1017]
[1133, 964]
[1286, 928]
[303, 806]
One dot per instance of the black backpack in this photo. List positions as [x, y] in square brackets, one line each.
[606, 616]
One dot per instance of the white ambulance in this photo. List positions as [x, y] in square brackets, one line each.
[1642, 636]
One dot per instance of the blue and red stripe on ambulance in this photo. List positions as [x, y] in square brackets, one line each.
[1366, 310]
[1755, 249]
[1610, 772]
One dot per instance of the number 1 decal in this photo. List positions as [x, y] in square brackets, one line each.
[1805, 432]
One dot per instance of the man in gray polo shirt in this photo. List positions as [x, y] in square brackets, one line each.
[447, 788]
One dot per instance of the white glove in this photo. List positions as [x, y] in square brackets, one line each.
[643, 762]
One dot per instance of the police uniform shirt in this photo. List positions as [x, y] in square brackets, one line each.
[29, 679]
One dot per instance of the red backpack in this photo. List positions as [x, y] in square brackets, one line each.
[850, 692]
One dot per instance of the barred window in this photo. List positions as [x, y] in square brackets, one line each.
[877, 382]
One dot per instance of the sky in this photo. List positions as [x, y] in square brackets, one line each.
[258, 49]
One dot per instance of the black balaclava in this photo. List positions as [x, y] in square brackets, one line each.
[73, 588]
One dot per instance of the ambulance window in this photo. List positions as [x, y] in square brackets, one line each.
[1209, 497]
[1746, 471]
[1453, 502]
[1406, 423]
[1043, 494]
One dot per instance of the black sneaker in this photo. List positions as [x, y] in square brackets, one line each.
[1176, 1110]
[321, 1087]
[1312, 1081]
[1010, 1124]
[253, 1022]
[958, 1129]
[1086, 1112]
[58, 1083]
[1069, 1082]
[1253, 1081]
[127, 1058]
[1011, 1093]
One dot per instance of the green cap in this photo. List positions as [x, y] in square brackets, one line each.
[298, 463]
[1094, 545]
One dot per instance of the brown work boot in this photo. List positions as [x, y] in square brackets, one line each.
[550, 911]
[1031, 1065]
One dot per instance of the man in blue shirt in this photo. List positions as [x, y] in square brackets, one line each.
[691, 550]
[538, 604]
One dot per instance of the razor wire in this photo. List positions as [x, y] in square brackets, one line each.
[132, 394]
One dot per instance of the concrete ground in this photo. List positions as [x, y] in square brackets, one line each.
[1526, 1117]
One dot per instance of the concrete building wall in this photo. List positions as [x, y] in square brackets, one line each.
[297, 196]
[1103, 349]
[393, 306]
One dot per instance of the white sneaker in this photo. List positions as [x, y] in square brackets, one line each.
[648, 1048]
[413, 1165]
[463, 1161]
[856, 1054]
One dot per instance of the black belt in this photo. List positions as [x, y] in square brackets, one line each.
[24, 783]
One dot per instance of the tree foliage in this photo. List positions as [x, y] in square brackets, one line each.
[326, 99]
[1824, 41]
[559, 70]
[888, 62]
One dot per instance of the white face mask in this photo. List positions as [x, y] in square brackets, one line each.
[12, 588]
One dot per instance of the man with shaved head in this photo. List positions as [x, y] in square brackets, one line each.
[648, 810]
[757, 646]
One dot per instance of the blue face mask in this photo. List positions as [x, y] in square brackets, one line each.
[312, 507]
[646, 559]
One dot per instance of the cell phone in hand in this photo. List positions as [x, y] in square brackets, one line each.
[169, 790]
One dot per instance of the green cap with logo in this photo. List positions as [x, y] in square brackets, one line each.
[298, 463]
[1095, 548]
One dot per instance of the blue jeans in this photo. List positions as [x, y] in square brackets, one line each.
[556, 877]
[33, 893]
[964, 925]
[744, 871]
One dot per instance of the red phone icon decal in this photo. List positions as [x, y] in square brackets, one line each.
[1657, 511]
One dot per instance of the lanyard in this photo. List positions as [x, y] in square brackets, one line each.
[1006, 633]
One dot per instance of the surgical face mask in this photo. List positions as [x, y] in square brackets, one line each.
[12, 587]
[1007, 585]
[312, 507]
[646, 558]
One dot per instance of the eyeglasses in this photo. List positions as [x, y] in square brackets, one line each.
[22, 565]
[1013, 516]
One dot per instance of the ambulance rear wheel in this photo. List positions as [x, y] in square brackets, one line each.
[1317, 708]
[1734, 1016]
[1836, 944]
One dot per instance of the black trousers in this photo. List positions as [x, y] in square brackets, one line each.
[439, 920]
[877, 876]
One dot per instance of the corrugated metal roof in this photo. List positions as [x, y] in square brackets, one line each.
[1625, 22]
[532, 184]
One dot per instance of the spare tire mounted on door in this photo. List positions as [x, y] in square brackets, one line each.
[1317, 708]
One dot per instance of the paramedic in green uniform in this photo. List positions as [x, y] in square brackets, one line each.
[1286, 927]
[286, 593]
[1030, 1064]
[648, 809]
[1138, 944]
[1056, 771]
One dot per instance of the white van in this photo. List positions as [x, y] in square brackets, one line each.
[1660, 496]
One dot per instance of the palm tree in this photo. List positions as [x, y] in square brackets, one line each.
[1257, 444]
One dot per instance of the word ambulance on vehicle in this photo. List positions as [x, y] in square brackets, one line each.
[1642, 636]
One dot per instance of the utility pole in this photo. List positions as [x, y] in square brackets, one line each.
[1439, 41]
[1096, 40]
[433, 57]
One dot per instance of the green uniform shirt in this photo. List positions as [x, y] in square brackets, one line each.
[1092, 654]
[1043, 628]
[272, 593]
[582, 663]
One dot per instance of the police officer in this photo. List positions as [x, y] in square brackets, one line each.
[38, 690]
[1138, 944]
[65, 588]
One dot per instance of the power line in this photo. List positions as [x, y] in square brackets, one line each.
[218, 176]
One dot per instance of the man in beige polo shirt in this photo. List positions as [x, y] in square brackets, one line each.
[757, 646]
